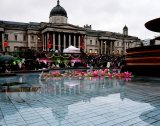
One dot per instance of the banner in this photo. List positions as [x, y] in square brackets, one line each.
[49, 45]
[82, 43]
[51, 39]
[5, 44]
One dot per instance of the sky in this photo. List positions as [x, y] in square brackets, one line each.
[104, 15]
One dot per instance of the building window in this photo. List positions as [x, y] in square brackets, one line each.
[90, 51]
[15, 37]
[96, 51]
[117, 52]
[16, 49]
[90, 42]
[24, 38]
[39, 38]
[32, 37]
[121, 52]
[6, 37]
[117, 43]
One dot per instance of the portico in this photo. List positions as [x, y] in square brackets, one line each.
[60, 40]
[106, 46]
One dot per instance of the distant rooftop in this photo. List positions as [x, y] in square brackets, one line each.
[20, 23]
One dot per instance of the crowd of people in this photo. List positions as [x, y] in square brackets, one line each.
[108, 61]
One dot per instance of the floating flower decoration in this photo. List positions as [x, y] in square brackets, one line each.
[102, 73]
[110, 75]
[48, 75]
[44, 74]
[57, 74]
[117, 75]
[94, 75]
[114, 70]
[128, 74]
[106, 71]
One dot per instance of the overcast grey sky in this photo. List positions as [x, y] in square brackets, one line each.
[105, 15]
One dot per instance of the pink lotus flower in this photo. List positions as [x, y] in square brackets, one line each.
[102, 73]
[57, 74]
[128, 74]
[86, 75]
[117, 75]
[106, 71]
[122, 74]
[44, 74]
[76, 72]
[114, 70]
[110, 75]
[95, 73]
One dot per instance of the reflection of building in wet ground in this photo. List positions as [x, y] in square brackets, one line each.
[70, 91]
[57, 96]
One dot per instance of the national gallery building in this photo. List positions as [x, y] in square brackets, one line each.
[58, 34]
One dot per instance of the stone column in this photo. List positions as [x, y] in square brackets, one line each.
[105, 47]
[115, 50]
[43, 42]
[59, 42]
[74, 41]
[48, 40]
[85, 43]
[124, 44]
[69, 40]
[98, 46]
[3, 42]
[101, 46]
[36, 43]
[64, 41]
[54, 41]
[111, 47]
[79, 42]
[29, 41]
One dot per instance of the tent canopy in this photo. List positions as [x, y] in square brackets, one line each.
[71, 49]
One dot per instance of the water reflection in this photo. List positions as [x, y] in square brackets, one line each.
[60, 96]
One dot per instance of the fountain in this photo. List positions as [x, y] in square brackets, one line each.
[144, 60]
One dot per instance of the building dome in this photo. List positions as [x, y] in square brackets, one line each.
[58, 11]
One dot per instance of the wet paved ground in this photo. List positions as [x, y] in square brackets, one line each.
[79, 101]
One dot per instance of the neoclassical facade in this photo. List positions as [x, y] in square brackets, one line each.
[59, 34]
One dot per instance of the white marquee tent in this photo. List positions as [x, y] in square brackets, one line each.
[71, 49]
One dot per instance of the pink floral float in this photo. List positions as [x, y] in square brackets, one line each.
[97, 73]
